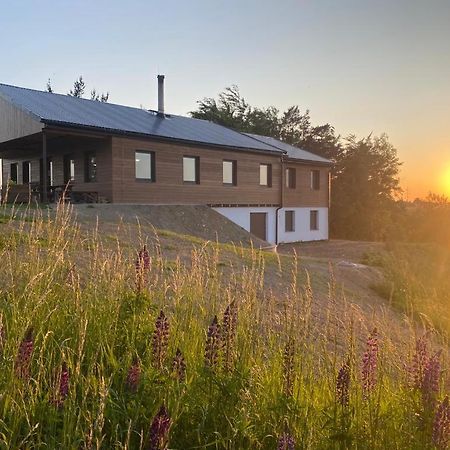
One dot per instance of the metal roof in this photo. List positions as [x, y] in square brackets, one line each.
[291, 151]
[58, 109]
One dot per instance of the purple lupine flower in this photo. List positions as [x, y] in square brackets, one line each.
[343, 384]
[24, 354]
[430, 385]
[142, 265]
[286, 442]
[160, 341]
[134, 375]
[441, 425]
[288, 368]
[419, 362]
[143, 260]
[62, 386]
[212, 343]
[228, 335]
[369, 363]
[159, 430]
[179, 366]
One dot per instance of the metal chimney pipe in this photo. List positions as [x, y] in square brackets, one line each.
[161, 95]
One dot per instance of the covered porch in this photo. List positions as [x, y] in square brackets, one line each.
[57, 164]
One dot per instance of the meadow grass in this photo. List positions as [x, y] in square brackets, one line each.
[105, 347]
[417, 280]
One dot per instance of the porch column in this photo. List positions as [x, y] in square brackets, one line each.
[44, 193]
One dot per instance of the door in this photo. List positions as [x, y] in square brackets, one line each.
[258, 224]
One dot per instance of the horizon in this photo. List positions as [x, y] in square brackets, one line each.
[368, 69]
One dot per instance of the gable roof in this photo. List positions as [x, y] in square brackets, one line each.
[291, 151]
[64, 110]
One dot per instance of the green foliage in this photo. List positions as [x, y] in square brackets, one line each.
[86, 310]
[417, 280]
[365, 183]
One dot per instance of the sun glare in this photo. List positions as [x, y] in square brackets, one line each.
[446, 181]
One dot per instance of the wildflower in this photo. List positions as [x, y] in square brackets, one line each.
[23, 359]
[143, 260]
[142, 265]
[62, 388]
[228, 335]
[134, 375]
[288, 368]
[419, 362]
[369, 363]
[179, 366]
[160, 341]
[159, 430]
[441, 425]
[212, 343]
[431, 375]
[286, 442]
[343, 384]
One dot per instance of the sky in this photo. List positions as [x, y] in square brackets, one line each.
[364, 66]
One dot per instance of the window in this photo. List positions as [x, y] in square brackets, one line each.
[314, 220]
[191, 169]
[315, 180]
[145, 166]
[26, 172]
[69, 169]
[229, 172]
[265, 175]
[290, 178]
[91, 168]
[13, 172]
[289, 221]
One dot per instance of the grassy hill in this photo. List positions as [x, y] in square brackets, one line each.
[202, 344]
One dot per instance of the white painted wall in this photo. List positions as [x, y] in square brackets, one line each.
[302, 230]
[241, 216]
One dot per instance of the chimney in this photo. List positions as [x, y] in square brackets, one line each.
[161, 95]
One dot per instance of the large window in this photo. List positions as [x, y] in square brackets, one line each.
[290, 178]
[69, 168]
[265, 175]
[314, 220]
[145, 166]
[191, 169]
[229, 172]
[315, 180]
[26, 172]
[14, 172]
[289, 221]
[90, 167]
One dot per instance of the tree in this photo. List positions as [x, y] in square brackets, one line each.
[99, 97]
[78, 88]
[49, 86]
[291, 126]
[365, 189]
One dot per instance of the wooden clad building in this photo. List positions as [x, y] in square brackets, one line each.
[53, 145]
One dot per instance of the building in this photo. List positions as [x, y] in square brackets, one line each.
[101, 152]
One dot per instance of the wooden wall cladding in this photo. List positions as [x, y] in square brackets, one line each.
[169, 187]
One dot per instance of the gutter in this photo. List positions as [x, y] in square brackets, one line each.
[281, 200]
